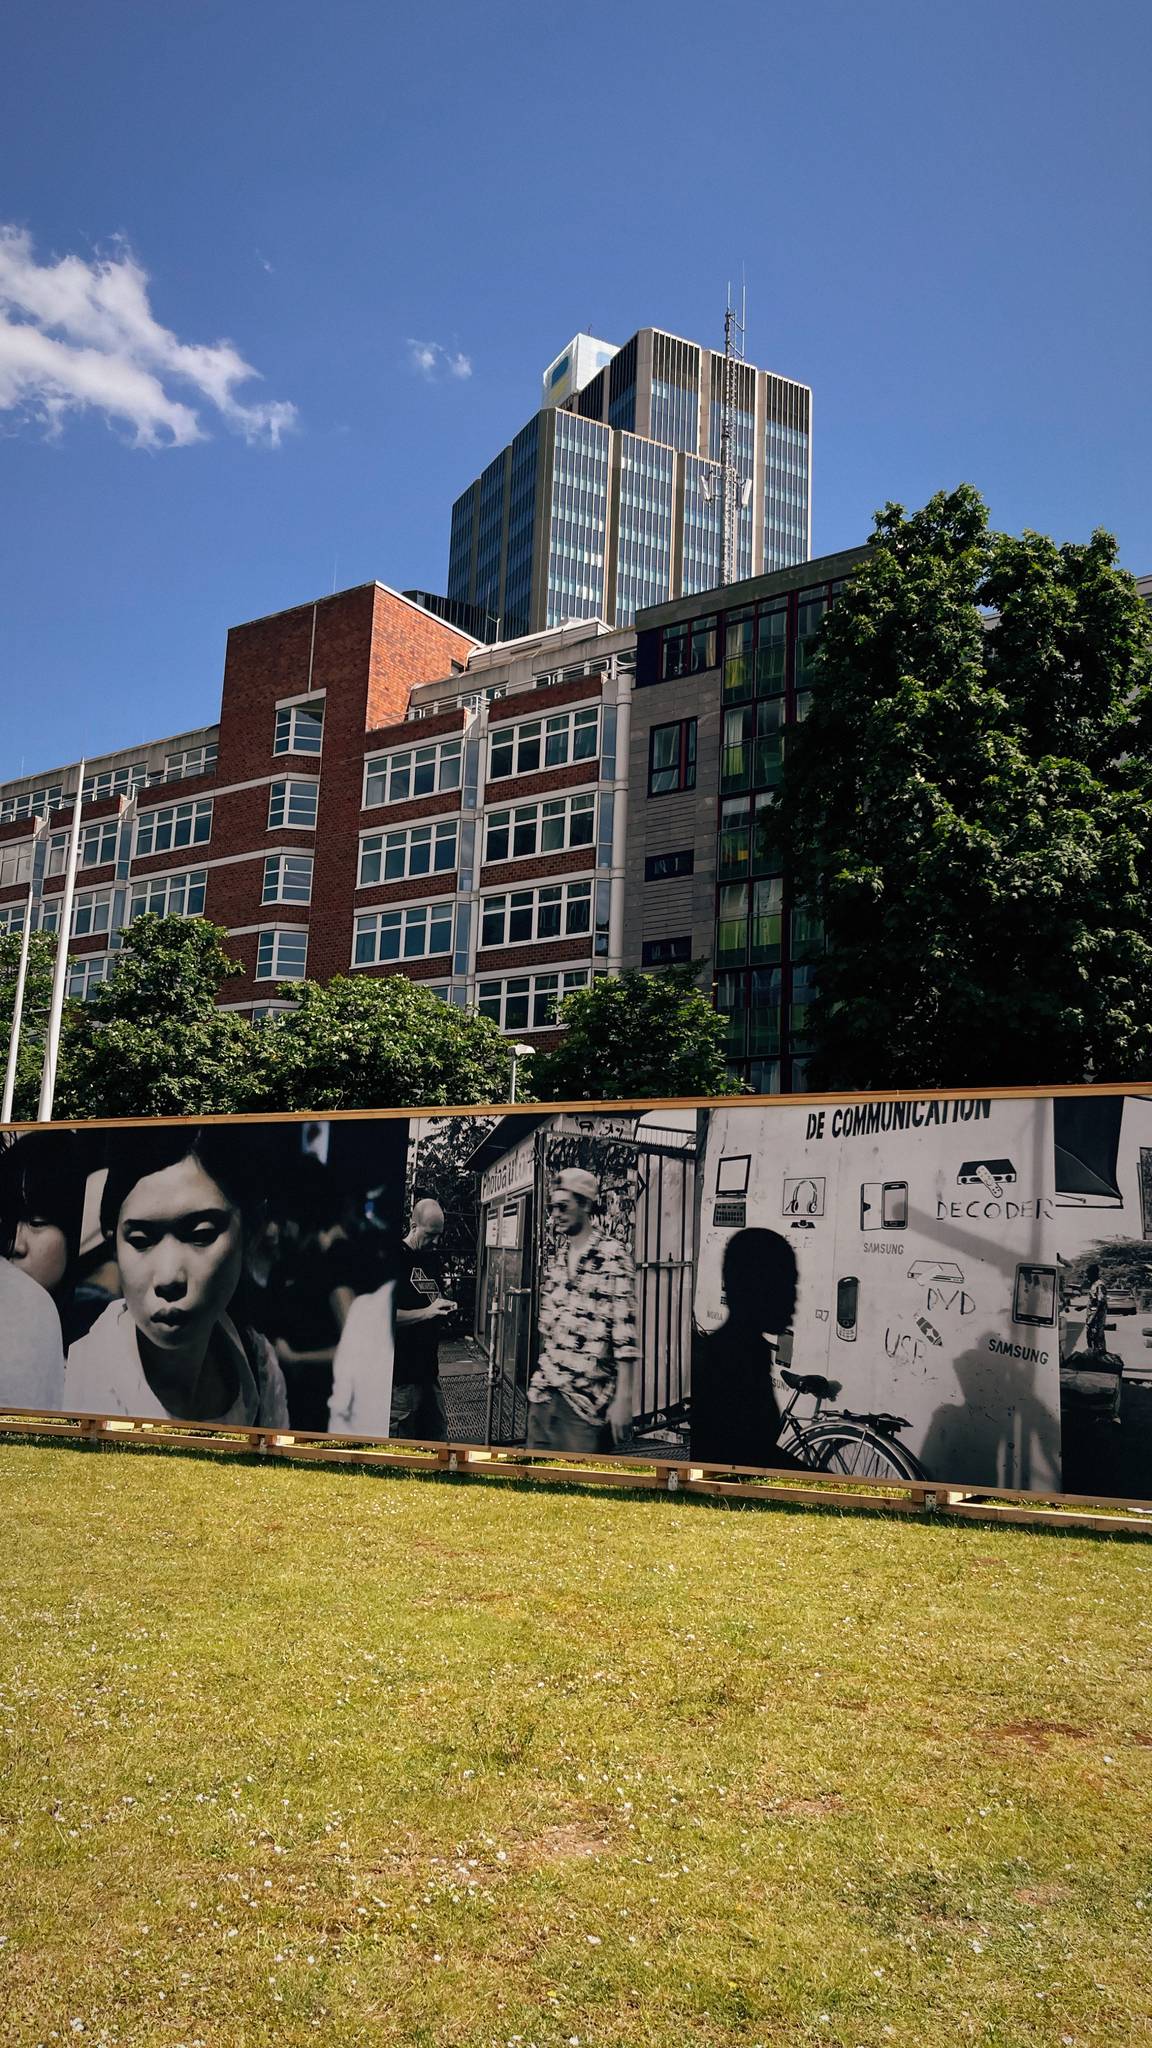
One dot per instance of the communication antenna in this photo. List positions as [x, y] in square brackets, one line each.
[723, 478]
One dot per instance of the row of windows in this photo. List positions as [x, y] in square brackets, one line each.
[104, 782]
[414, 771]
[548, 826]
[537, 743]
[528, 1002]
[554, 911]
[752, 1005]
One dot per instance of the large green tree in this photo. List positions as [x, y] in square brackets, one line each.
[369, 1043]
[969, 803]
[151, 1040]
[632, 1035]
[34, 1014]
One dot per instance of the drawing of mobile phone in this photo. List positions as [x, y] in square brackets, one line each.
[1034, 1300]
[847, 1304]
[884, 1205]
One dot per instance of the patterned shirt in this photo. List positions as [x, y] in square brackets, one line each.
[587, 1326]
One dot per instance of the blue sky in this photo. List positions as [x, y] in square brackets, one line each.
[942, 214]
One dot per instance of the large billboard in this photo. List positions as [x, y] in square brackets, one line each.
[950, 1288]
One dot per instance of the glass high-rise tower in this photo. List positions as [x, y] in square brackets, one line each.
[609, 499]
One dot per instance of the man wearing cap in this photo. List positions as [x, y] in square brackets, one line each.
[581, 1394]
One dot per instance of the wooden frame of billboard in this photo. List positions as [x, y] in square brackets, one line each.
[1100, 1515]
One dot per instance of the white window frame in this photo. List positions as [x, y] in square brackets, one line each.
[88, 970]
[161, 830]
[574, 803]
[12, 917]
[549, 986]
[286, 736]
[276, 870]
[270, 941]
[400, 765]
[30, 803]
[550, 739]
[184, 882]
[383, 845]
[285, 792]
[541, 895]
[101, 833]
[403, 919]
[186, 762]
[106, 782]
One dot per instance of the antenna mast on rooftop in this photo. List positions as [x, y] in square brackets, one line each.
[723, 477]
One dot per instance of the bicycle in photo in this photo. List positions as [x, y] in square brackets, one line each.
[833, 1439]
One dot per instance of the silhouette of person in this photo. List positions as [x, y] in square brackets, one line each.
[735, 1416]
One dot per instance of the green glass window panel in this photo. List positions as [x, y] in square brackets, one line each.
[733, 848]
[807, 933]
[737, 678]
[803, 705]
[767, 919]
[732, 926]
[765, 851]
[799, 1012]
[736, 758]
[771, 652]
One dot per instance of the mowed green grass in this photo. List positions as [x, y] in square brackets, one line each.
[291, 1755]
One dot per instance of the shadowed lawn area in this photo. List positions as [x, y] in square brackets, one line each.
[292, 1755]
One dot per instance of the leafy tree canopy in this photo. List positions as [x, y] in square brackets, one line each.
[369, 1043]
[635, 1035]
[150, 1040]
[969, 804]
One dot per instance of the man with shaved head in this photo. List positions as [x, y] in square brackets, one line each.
[422, 1309]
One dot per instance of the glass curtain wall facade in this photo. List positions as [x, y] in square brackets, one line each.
[646, 517]
[787, 472]
[578, 541]
[535, 541]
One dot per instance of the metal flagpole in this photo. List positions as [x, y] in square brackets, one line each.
[21, 977]
[60, 970]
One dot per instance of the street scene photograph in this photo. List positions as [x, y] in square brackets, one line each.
[575, 1026]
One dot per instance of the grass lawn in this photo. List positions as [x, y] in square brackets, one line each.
[292, 1755]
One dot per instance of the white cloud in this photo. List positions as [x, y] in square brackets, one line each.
[432, 360]
[77, 335]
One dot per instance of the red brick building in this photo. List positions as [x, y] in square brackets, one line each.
[376, 798]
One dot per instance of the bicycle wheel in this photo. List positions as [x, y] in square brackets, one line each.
[856, 1452]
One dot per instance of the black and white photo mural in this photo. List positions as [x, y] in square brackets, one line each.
[950, 1288]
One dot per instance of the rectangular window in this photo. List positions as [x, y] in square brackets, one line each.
[299, 728]
[562, 910]
[528, 1002]
[12, 918]
[800, 1009]
[664, 952]
[521, 749]
[661, 867]
[282, 954]
[287, 878]
[84, 972]
[293, 804]
[732, 1004]
[170, 895]
[188, 824]
[735, 824]
[767, 919]
[807, 932]
[688, 648]
[91, 912]
[31, 803]
[732, 925]
[413, 931]
[672, 757]
[113, 781]
[189, 761]
[416, 771]
[97, 846]
[544, 827]
[410, 850]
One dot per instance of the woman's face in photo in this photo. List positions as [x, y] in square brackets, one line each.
[40, 1249]
[179, 1248]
